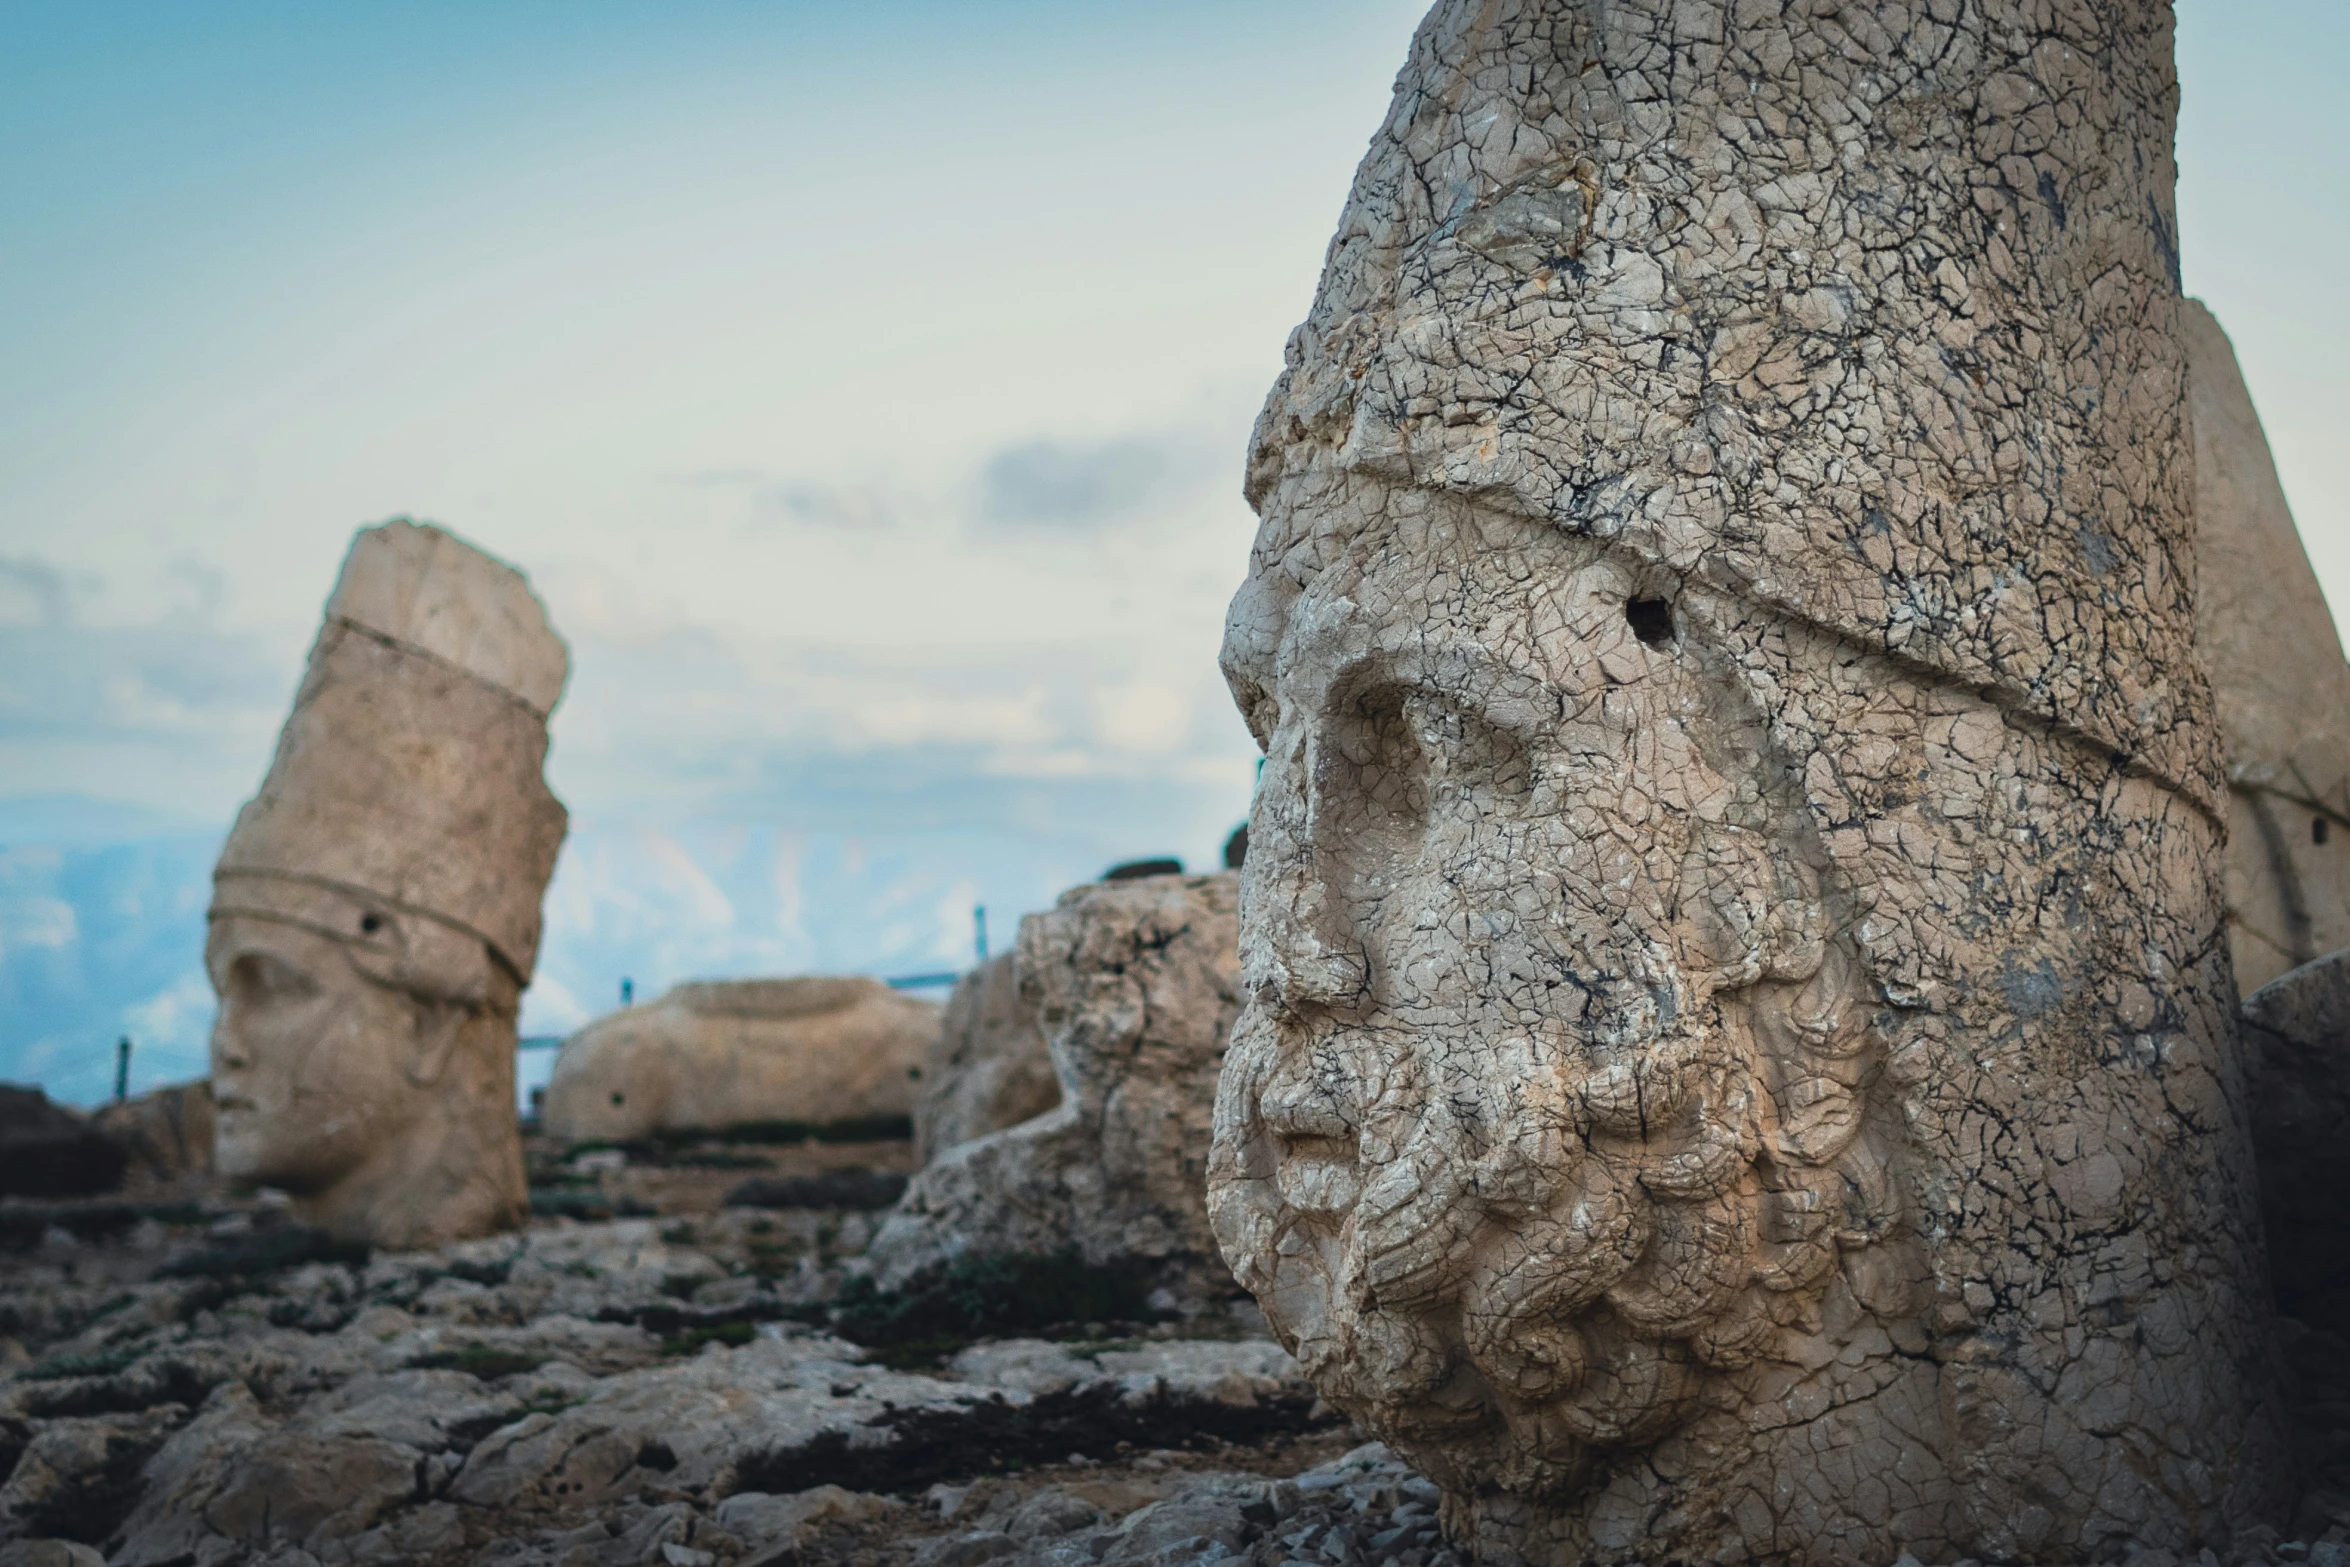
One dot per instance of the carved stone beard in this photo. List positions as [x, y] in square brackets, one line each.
[1551, 1099]
[1554, 1275]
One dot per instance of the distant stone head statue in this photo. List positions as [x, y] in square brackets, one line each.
[375, 911]
[1735, 1039]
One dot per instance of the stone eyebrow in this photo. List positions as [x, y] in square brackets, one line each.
[1516, 694]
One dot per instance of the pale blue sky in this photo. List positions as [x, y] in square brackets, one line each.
[863, 387]
[732, 323]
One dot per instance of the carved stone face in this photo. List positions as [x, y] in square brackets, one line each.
[317, 1065]
[1546, 1095]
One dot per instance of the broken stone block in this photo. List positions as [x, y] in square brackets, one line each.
[716, 1053]
[991, 1067]
[167, 1134]
[1134, 985]
[1738, 1060]
[2298, 1026]
[375, 911]
[2277, 670]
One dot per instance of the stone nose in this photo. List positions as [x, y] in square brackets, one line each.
[1301, 950]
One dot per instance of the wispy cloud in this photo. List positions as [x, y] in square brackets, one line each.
[1078, 486]
[858, 506]
[32, 593]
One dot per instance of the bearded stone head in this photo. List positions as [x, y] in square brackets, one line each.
[1552, 1091]
[1735, 1061]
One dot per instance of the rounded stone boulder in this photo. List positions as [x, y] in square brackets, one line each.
[716, 1053]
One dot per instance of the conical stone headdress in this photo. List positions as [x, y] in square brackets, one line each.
[1889, 365]
[405, 808]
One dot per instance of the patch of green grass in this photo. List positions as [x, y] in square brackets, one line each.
[556, 1204]
[263, 1252]
[734, 1335]
[720, 1159]
[979, 1297]
[105, 1363]
[855, 1129]
[770, 1260]
[1095, 1349]
[479, 1360]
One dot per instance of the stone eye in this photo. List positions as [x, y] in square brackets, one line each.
[369, 924]
[1378, 763]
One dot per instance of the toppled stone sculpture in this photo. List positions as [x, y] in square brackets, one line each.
[2277, 670]
[375, 912]
[715, 1053]
[1738, 1060]
[990, 1069]
[2298, 1026]
[1135, 985]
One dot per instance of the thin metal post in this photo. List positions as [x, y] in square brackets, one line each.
[122, 1070]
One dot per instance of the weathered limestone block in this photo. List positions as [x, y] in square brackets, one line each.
[990, 1068]
[375, 912]
[1135, 985]
[716, 1053]
[167, 1133]
[2298, 1026]
[2277, 670]
[1737, 1061]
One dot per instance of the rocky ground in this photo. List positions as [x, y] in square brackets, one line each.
[644, 1376]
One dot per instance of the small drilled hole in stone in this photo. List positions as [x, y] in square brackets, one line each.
[369, 924]
[2317, 830]
[1652, 620]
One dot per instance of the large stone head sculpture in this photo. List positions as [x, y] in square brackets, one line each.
[375, 912]
[1735, 1061]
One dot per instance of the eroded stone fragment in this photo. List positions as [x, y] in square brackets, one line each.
[375, 912]
[2298, 1026]
[990, 1068]
[2277, 670]
[1135, 985]
[1737, 1062]
[167, 1132]
[717, 1053]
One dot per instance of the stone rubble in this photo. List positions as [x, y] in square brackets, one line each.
[991, 1067]
[600, 1391]
[1134, 985]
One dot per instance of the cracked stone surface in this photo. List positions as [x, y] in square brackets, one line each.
[2277, 670]
[576, 1393]
[718, 1053]
[1738, 1060]
[991, 1067]
[1134, 985]
[375, 911]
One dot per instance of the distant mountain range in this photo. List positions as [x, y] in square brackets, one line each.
[102, 922]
